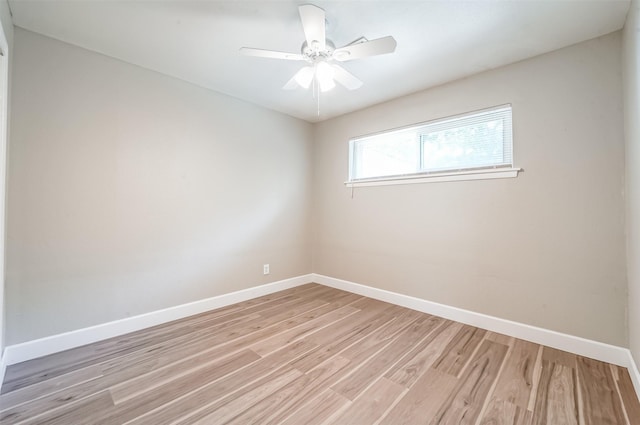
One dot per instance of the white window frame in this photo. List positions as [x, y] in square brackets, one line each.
[480, 173]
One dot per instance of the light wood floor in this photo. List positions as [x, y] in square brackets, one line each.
[313, 355]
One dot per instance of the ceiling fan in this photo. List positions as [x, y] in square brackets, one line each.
[320, 54]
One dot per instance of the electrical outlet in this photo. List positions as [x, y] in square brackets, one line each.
[265, 269]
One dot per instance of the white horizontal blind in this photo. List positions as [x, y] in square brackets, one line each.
[477, 140]
[471, 141]
[386, 154]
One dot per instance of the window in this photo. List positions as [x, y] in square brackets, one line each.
[474, 145]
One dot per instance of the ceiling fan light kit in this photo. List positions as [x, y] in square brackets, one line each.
[320, 54]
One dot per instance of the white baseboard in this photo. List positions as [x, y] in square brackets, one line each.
[52, 344]
[3, 365]
[593, 349]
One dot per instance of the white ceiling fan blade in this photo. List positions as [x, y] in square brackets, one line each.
[272, 54]
[302, 79]
[312, 18]
[292, 84]
[379, 46]
[344, 77]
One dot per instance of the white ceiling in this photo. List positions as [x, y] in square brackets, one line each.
[438, 40]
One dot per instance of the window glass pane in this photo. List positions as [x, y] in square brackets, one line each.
[477, 145]
[386, 155]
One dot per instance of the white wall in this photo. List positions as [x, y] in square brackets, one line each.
[631, 74]
[6, 44]
[132, 191]
[545, 249]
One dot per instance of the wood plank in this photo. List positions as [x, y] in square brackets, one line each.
[212, 410]
[370, 304]
[500, 338]
[139, 362]
[464, 404]
[459, 351]
[318, 410]
[372, 405]
[501, 412]
[192, 374]
[73, 413]
[51, 402]
[217, 318]
[556, 400]
[421, 403]
[537, 372]
[336, 339]
[180, 385]
[147, 409]
[555, 356]
[163, 413]
[378, 339]
[239, 404]
[354, 384]
[418, 360]
[628, 395]
[48, 387]
[516, 379]
[216, 344]
[601, 405]
[159, 375]
[269, 345]
[280, 404]
[378, 312]
[205, 407]
[339, 296]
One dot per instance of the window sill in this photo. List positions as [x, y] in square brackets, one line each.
[494, 173]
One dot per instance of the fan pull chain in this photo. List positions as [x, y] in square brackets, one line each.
[316, 94]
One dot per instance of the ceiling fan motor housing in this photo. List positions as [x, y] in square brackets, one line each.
[313, 54]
